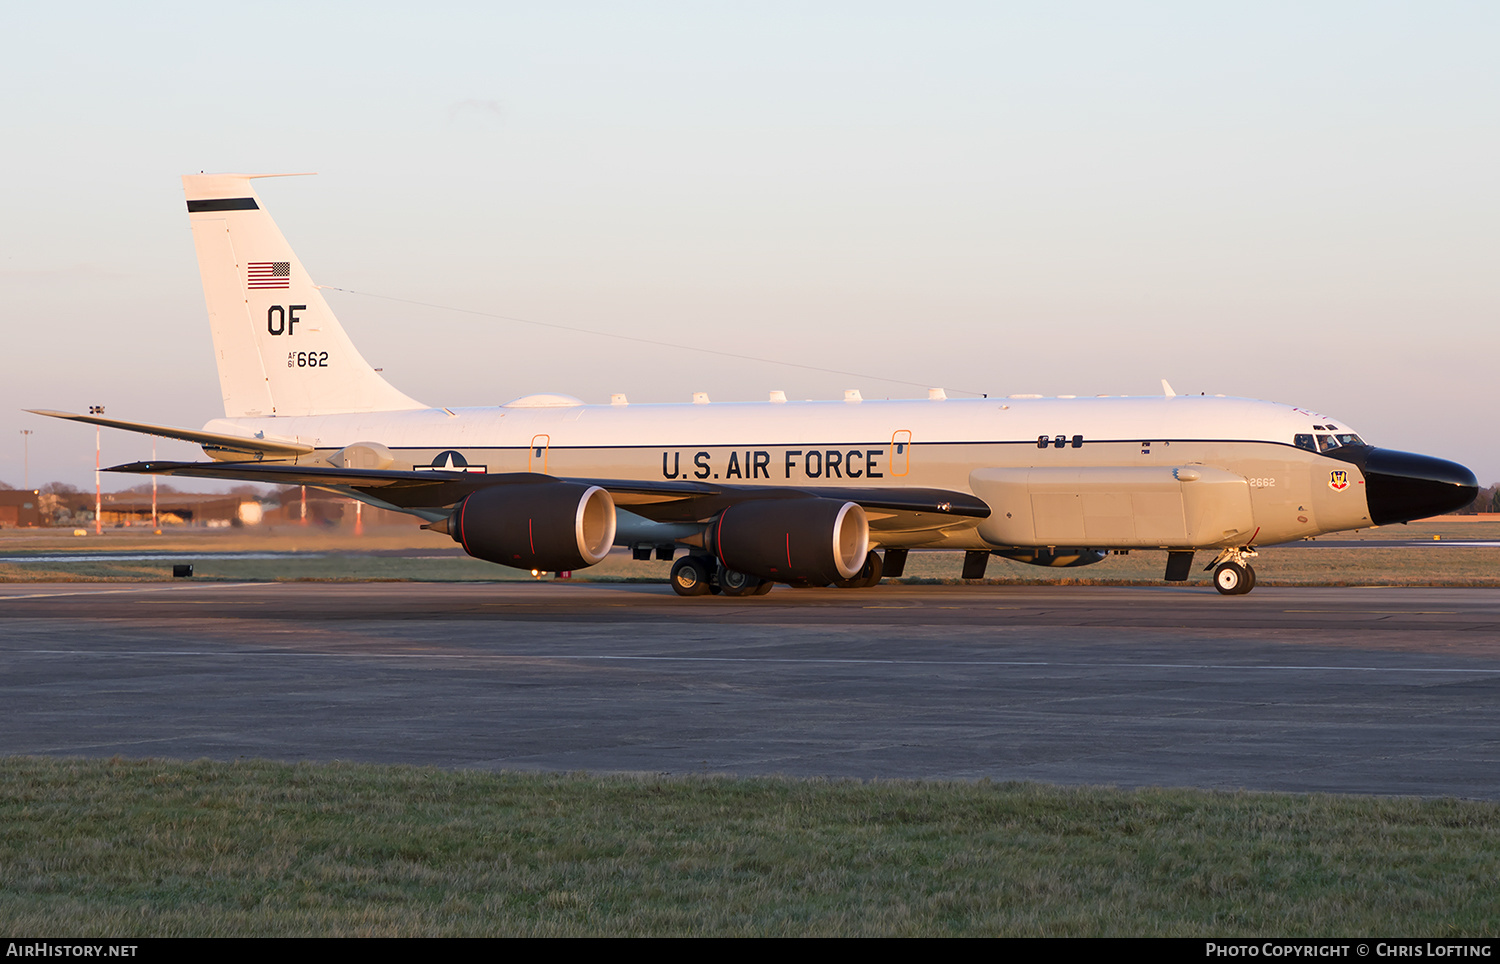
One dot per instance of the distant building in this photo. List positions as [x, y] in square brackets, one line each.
[30, 507]
[177, 509]
[20, 507]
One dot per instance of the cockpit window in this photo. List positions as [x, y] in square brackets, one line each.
[1327, 443]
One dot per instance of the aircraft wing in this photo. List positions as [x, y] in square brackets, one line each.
[659, 500]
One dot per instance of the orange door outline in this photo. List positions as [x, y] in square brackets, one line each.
[536, 456]
[901, 452]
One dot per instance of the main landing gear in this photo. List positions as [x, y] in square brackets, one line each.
[1233, 574]
[697, 575]
[868, 575]
[734, 583]
[701, 575]
[690, 576]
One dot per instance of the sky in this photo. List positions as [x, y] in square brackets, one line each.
[1289, 201]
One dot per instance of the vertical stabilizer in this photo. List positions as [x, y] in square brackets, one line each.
[279, 348]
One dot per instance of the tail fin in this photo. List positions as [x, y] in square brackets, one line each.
[280, 349]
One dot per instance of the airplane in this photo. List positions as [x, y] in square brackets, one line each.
[798, 493]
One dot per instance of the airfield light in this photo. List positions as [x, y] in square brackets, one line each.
[26, 444]
[98, 488]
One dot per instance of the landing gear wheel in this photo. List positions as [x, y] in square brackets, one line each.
[1233, 579]
[690, 577]
[763, 588]
[868, 575]
[735, 583]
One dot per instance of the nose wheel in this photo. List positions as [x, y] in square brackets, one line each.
[1232, 573]
[1234, 579]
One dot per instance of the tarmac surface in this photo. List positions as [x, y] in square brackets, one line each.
[1351, 690]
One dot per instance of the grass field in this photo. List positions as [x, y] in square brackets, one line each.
[144, 847]
[338, 554]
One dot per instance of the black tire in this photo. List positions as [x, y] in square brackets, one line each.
[764, 587]
[735, 583]
[1231, 579]
[1250, 579]
[868, 575]
[690, 577]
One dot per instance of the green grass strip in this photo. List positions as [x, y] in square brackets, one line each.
[149, 847]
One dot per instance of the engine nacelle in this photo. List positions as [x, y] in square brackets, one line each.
[1055, 558]
[551, 526]
[792, 540]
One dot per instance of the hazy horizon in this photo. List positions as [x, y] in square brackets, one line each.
[1288, 202]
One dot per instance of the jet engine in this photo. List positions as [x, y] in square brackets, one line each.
[792, 540]
[551, 526]
[1055, 558]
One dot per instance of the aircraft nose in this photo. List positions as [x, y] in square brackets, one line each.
[1401, 486]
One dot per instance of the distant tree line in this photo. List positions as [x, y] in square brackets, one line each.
[1488, 500]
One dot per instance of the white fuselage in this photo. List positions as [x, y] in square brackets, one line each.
[870, 444]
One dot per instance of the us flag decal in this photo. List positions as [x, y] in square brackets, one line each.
[270, 274]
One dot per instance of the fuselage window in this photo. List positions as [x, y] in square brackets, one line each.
[1305, 442]
[1078, 441]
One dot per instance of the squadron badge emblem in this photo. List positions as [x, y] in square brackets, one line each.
[1338, 480]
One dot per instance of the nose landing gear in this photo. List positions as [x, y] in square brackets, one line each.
[1233, 574]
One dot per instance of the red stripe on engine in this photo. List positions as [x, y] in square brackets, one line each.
[719, 539]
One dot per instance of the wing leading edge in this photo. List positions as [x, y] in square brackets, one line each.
[660, 501]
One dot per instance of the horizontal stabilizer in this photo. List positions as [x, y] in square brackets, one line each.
[258, 447]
